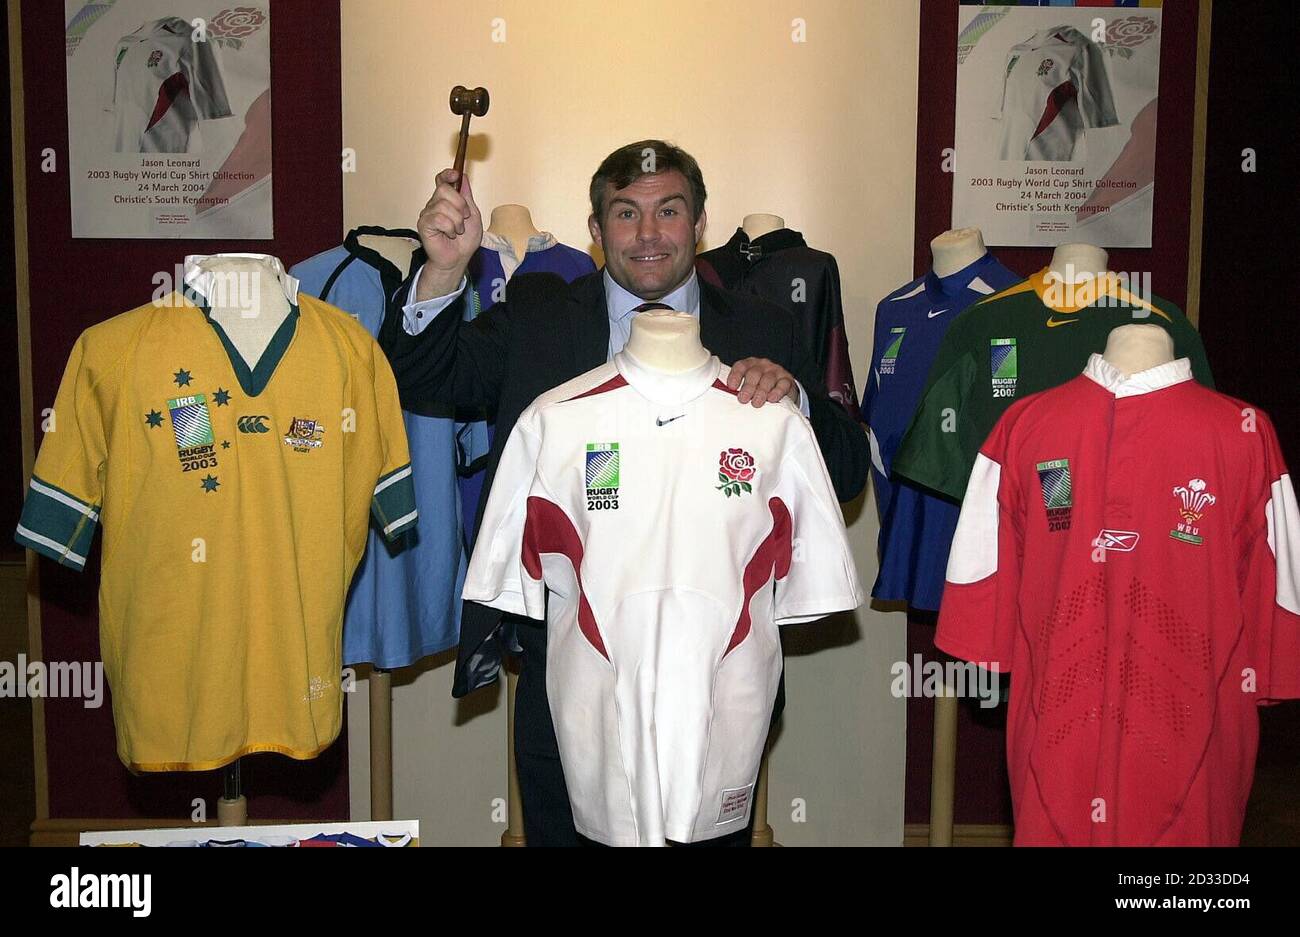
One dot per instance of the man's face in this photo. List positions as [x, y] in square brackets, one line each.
[647, 234]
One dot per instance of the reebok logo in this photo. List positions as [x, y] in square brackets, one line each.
[1121, 541]
[253, 424]
[91, 890]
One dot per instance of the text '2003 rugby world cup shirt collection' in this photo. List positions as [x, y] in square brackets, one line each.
[1029, 337]
[663, 532]
[235, 504]
[1129, 548]
[915, 526]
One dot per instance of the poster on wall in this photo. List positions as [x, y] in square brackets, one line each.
[169, 118]
[1056, 124]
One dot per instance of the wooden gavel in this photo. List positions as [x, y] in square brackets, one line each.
[468, 104]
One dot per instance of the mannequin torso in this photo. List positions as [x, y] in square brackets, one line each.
[515, 224]
[1075, 263]
[396, 250]
[756, 225]
[955, 250]
[667, 341]
[1134, 348]
[247, 299]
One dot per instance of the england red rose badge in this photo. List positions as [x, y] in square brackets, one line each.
[736, 469]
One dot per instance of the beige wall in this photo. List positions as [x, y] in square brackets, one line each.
[821, 132]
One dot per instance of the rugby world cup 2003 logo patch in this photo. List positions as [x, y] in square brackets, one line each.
[602, 476]
[1058, 497]
[192, 426]
[889, 360]
[1004, 366]
[1194, 498]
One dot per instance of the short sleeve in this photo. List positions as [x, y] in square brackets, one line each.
[1096, 102]
[1270, 567]
[497, 576]
[820, 577]
[979, 615]
[207, 86]
[381, 426]
[66, 491]
[934, 450]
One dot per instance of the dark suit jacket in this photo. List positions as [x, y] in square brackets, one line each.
[548, 332]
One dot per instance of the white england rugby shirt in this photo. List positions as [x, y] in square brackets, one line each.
[674, 530]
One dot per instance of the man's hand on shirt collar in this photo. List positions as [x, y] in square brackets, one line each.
[760, 381]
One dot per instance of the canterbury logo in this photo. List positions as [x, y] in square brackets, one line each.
[253, 424]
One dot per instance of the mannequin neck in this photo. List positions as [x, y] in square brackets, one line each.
[247, 299]
[955, 250]
[667, 341]
[1074, 263]
[757, 225]
[396, 250]
[1134, 348]
[515, 224]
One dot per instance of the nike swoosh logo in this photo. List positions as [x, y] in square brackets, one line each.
[931, 315]
[1052, 323]
[660, 422]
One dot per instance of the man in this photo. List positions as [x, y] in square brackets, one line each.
[647, 202]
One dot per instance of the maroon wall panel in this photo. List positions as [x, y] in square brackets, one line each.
[76, 283]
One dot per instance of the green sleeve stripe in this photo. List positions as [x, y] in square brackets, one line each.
[399, 526]
[47, 547]
[394, 505]
[58, 494]
[59, 518]
[396, 475]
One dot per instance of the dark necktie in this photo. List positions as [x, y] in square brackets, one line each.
[646, 307]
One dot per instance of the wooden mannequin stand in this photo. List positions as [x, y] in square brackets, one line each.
[514, 834]
[943, 768]
[762, 835]
[381, 744]
[232, 808]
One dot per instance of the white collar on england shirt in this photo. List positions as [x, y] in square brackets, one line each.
[1143, 382]
[667, 389]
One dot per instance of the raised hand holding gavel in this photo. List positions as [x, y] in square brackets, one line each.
[450, 225]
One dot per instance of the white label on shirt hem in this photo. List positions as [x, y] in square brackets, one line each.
[735, 803]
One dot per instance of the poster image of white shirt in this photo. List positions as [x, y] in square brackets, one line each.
[1054, 86]
[169, 118]
[1056, 117]
[164, 83]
